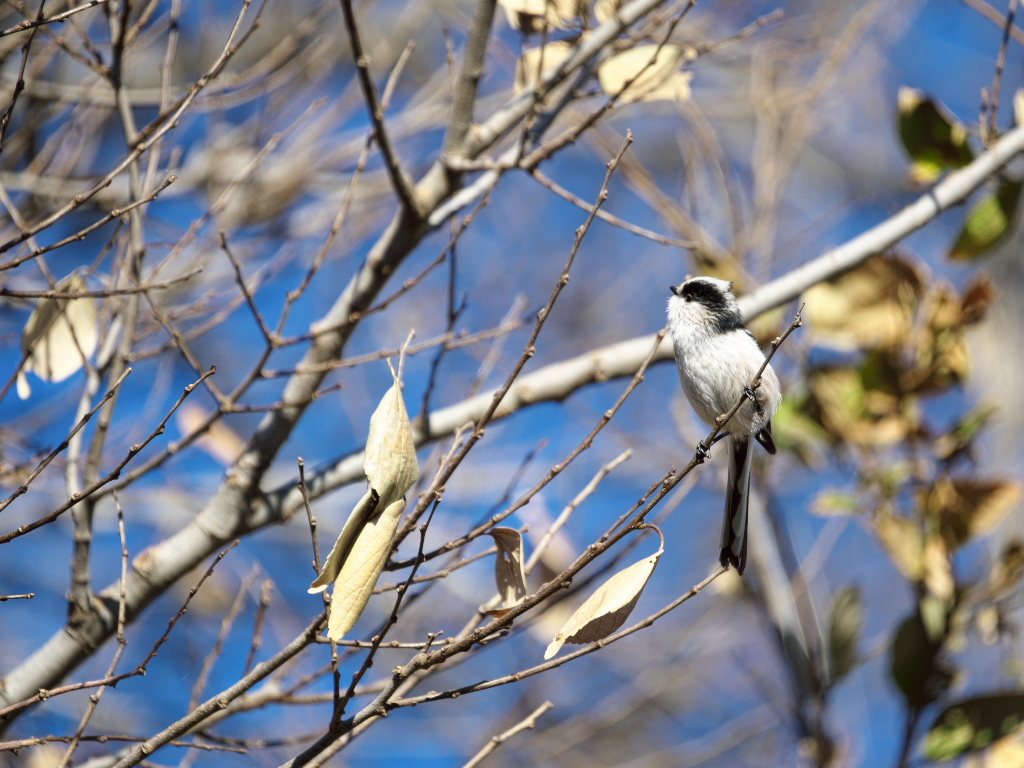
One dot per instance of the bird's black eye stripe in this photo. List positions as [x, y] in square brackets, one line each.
[704, 293]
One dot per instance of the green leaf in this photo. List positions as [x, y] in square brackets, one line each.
[832, 502]
[844, 624]
[973, 724]
[962, 434]
[934, 139]
[916, 666]
[795, 431]
[988, 222]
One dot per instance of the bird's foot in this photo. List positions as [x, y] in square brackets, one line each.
[704, 447]
[751, 394]
[703, 452]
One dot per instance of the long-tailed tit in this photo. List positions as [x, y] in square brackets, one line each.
[717, 359]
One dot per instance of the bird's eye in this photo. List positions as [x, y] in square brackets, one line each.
[687, 296]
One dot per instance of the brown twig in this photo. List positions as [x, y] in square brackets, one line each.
[400, 179]
[527, 723]
[43, 695]
[55, 19]
[122, 642]
[997, 78]
[113, 475]
[23, 488]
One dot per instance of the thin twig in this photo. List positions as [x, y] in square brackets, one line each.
[997, 78]
[23, 488]
[113, 475]
[527, 723]
[55, 19]
[43, 695]
[557, 662]
[400, 179]
[566, 513]
[266, 596]
[122, 642]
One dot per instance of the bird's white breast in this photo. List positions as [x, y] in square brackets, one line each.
[714, 368]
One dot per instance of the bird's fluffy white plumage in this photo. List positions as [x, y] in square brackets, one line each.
[717, 358]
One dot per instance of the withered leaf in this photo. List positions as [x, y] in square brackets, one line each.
[966, 508]
[870, 306]
[359, 517]
[531, 62]
[60, 335]
[643, 80]
[361, 569]
[219, 440]
[509, 576]
[533, 15]
[390, 459]
[608, 608]
[364, 544]
[903, 540]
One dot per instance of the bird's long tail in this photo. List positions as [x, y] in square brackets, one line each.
[737, 497]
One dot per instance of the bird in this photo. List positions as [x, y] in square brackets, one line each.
[718, 358]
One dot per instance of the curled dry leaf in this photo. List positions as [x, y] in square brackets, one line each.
[60, 335]
[846, 403]
[359, 573]
[364, 544]
[509, 577]
[643, 80]
[390, 459]
[608, 608]
[357, 520]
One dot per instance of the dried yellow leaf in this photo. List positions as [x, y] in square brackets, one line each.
[359, 517]
[531, 62]
[220, 441]
[904, 542]
[608, 608]
[870, 306]
[60, 335]
[361, 569]
[390, 459]
[968, 508]
[534, 15]
[645, 73]
[364, 544]
[509, 576]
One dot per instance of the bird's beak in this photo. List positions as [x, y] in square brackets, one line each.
[674, 289]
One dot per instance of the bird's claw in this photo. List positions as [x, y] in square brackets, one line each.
[703, 452]
[750, 393]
